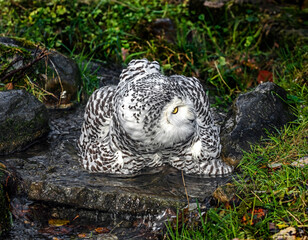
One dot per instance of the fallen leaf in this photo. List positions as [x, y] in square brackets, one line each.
[52, 230]
[264, 76]
[285, 234]
[57, 222]
[2, 165]
[256, 216]
[275, 165]
[9, 86]
[281, 225]
[82, 235]
[100, 230]
[302, 162]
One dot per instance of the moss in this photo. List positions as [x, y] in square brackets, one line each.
[17, 134]
[11, 53]
[24, 43]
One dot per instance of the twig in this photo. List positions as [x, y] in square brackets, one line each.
[60, 81]
[115, 227]
[185, 189]
[11, 64]
[295, 218]
[18, 5]
[257, 196]
[42, 89]
[10, 74]
[221, 75]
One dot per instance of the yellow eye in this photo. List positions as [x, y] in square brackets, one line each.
[175, 110]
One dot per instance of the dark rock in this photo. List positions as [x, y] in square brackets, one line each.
[163, 28]
[23, 119]
[107, 75]
[64, 78]
[253, 114]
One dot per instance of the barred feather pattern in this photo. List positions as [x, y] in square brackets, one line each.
[149, 120]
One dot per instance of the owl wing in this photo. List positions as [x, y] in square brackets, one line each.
[97, 115]
[95, 128]
[97, 151]
[206, 147]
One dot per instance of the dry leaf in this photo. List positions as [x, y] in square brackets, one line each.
[258, 214]
[100, 230]
[302, 162]
[9, 86]
[82, 235]
[2, 166]
[285, 234]
[264, 76]
[57, 222]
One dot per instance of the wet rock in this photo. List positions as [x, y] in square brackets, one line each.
[23, 119]
[54, 72]
[107, 75]
[253, 114]
[52, 174]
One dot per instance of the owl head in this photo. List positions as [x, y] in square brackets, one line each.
[154, 113]
[177, 121]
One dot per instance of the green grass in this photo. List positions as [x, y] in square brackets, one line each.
[278, 192]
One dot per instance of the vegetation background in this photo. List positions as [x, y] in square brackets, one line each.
[231, 48]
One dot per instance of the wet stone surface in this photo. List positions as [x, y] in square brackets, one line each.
[23, 119]
[51, 175]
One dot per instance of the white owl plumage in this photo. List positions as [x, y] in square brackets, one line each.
[149, 120]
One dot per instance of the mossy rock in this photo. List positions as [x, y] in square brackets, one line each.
[23, 119]
[51, 76]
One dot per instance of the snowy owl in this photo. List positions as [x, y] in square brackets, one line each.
[149, 120]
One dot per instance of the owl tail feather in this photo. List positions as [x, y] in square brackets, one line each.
[138, 69]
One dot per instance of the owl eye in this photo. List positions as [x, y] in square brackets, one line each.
[175, 110]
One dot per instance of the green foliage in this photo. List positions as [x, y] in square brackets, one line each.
[206, 45]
